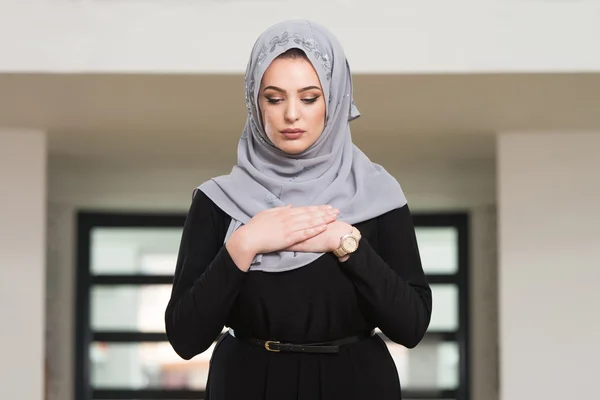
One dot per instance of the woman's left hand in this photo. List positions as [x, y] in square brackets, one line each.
[324, 242]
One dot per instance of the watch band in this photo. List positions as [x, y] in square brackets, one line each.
[339, 253]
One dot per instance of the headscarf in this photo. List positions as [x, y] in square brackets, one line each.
[331, 171]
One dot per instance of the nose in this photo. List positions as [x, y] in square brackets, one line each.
[292, 112]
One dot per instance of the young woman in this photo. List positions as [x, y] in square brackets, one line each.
[304, 248]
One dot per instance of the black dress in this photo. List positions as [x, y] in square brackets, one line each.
[381, 285]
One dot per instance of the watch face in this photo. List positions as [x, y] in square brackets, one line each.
[350, 244]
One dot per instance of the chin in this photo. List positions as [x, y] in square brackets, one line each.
[293, 148]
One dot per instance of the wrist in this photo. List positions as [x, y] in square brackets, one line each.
[241, 250]
[242, 239]
[336, 241]
[348, 244]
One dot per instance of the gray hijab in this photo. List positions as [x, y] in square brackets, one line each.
[332, 171]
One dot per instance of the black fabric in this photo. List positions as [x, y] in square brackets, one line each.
[381, 285]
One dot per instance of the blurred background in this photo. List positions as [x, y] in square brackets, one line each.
[487, 112]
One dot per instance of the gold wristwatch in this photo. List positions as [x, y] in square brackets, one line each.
[348, 243]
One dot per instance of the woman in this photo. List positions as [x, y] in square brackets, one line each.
[304, 248]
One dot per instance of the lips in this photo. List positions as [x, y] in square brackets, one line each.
[292, 133]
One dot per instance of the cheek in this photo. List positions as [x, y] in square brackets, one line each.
[318, 117]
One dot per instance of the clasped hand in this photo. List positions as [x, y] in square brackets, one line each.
[314, 229]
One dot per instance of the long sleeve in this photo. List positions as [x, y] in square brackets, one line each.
[206, 282]
[392, 281]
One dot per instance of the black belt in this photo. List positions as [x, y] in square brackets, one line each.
[325, 347]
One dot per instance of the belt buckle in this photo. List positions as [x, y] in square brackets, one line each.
[268, 346]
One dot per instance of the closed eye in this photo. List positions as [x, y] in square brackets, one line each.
[311, 100]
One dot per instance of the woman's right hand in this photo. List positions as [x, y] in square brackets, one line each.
[277, 229]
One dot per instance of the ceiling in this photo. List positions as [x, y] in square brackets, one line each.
[197, 119]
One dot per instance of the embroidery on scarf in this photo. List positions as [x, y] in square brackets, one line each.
[308, 45]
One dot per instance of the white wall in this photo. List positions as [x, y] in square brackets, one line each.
[549, 192]
[110, 187]
[216, 36]
[22, 263]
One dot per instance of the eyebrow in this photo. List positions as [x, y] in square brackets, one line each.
[278, 89]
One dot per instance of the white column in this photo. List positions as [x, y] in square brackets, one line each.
[549, 252]
[483, 290]
[22, 263]
[60, 299]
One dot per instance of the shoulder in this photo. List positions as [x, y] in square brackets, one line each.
[201, 200]
[386, 222]
[204, 209]
[397, 223]
[397, 214]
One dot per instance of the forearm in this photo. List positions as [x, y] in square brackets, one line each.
[195, 319]
[401, 309]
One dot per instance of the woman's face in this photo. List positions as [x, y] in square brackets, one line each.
[292, 104]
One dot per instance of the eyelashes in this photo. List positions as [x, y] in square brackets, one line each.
[310, 100]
